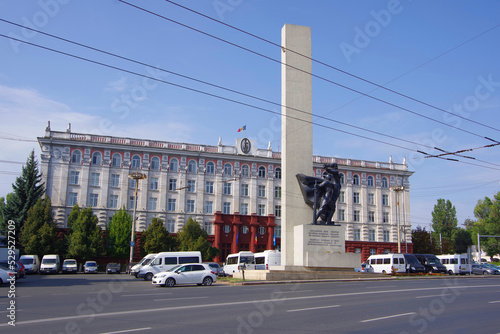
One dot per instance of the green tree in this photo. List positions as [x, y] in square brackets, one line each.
[85, 239]
[118, 234]
[28, 188]
[157, 239]
[462, 241]
[39, 233]
[444, 222]
[487, 212]
[422, 242]
[193, 237]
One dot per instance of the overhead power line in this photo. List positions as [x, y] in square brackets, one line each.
[301, 70]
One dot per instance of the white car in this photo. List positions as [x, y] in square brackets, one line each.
[5, 275]
[90, 267]
[190, 273]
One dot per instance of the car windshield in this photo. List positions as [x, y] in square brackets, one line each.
[26, 261]
[49, 261]
[113, 265]
[411, 259]
[70, 262]
[91, 264]
[433, 260]
[145, 262]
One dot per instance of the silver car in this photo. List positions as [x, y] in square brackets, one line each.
[484, 269]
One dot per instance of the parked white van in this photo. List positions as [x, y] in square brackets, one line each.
[456, 263]
[50, 264]
[145, 261]
[234, 261]
[267, 259]
[387, 263]
[165, 261]
[31, 263]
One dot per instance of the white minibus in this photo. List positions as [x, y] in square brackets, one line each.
[145, 261]
[456, 263]
[387, 263]
[267, 259]
[234, 261]
[165, 261]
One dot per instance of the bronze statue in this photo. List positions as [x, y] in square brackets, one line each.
[321, 194]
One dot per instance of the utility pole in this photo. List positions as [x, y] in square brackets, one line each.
[134, 176]
[398, 189]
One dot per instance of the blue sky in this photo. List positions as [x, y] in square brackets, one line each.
[443, 53]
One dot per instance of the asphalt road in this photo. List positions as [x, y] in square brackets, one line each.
[121, 304]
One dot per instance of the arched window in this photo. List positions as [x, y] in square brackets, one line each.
[210, 167]
[228, 169]
[277, 173]
[174, 165]
[97, 158]
[245, 171]
[136, 161]
[342, 178]
[116, 161]
[385, 182]
[355, 180]
[192, 166]
[76, 157]
[262, 172]
[155, 163]
[369, 180]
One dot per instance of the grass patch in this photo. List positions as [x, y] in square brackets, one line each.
[229, 279]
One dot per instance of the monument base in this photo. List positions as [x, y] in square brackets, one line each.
[323, 246]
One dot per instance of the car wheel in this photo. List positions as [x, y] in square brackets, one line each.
[485, 273]
[207, 281]
[1, 282]
[450, 272]
[383, 272]
[170, 282]
[148, 277]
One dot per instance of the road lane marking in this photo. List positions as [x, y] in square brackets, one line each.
[296, 291]
[185, 298]
[128, 330]
[428, 296]
[494, 302]
[388, 317]
[312, 308]
[148, 294]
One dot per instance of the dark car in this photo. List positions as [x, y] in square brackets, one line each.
[413, 265]
[431, 263]
[113, 268]
[19, 268]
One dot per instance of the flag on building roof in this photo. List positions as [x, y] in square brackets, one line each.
[243, 128]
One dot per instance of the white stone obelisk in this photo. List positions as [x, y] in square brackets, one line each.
[296, 134]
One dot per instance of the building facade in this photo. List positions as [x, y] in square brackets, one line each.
[216, 185]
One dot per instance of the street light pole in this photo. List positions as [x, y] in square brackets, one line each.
[134, 176]
[397, 189]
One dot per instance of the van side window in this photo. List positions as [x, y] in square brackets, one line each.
[260, 260]
[156, 262]
[454, 261]
[170, 260]
[379, 261]
[232, 260]
[464, 261]
[401, 261]
[188, 259]
[387, 261]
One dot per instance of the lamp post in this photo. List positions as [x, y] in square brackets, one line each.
[397, 189]
[134, 176]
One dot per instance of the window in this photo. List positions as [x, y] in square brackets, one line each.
[131, 202]
[355, 180]
[371, 198]
[227, 229]
[131, 183]
[356, 216]
[262, 230]
[170, 226]
[76, 157]
[226, 208]
[207, 226]
[226, 188]
[342, 197]
[261, 209]
[355, 198]
[342, 178]
[190, 205]
[155, 163]
[174, 165]
[385, 199]
[262, 172]
[172, 184]
[371, 216]
[386, 236]
[116, 160]
[277, 231]
[277, 192]
[277, 210]
[192, 166]
[385, 182]
[385, 217]
[373, 251]
[209, 187]
[357, 250]
[244, 208]
[97, 159]
[371, 235]
[341, 215]
[136, 161]
[277, 173]
[245, 229]
[209, 206]
[191, 186]
[245, 171]
[115, 181]
[113, 201]
[93, 200]
[72, 198]
[152, 203]
[228, 169]
[370, 181]
[357, 234]
[244, 190]
[261, 191]
[94, 179]
[74, 177]
[210, 167]
[153, 183]
[171, 204]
